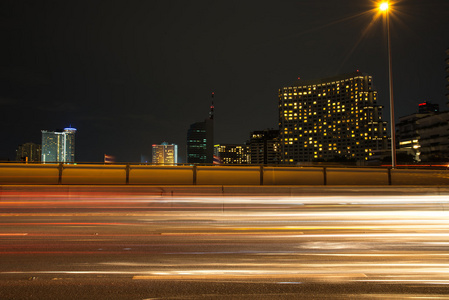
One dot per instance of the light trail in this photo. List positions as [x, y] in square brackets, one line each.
[324, 239]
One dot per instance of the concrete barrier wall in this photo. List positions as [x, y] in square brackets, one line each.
[70, 174]
[29, 174]
[356, 176]
[94, 174]
[419, 177]
[220, 175]
[292, 176]
[163, 175]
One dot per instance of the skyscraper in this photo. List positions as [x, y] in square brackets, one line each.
[200, 140]
[58, 146]
[28, 152]
[331, 118]
[447, 70]
[165, 154]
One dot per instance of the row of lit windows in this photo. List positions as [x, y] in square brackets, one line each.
[305, 158]
[329, 153]
[336, 105]
[299, 91]
[197, 141]
[336, 82]
[332, 126]
[315, 99]
[327, 86]
[305, 145]
[320, 94]
[331, 150]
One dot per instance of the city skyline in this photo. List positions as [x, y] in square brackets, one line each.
[129, 76]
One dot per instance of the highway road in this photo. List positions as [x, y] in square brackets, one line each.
[97, 245]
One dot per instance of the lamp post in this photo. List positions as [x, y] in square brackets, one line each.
[384, 7]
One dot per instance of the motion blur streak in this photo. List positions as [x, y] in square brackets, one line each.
[387, 239]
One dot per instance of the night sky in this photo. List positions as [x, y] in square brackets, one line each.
[129, 74]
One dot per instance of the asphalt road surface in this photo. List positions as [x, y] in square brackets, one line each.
[97, 245]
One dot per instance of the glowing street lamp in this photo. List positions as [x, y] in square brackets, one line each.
[385, 7]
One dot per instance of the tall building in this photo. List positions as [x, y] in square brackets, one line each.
[200, 140]
[58, 146]
[232, 154]
[331, 118]
[425, 134]
[447, 70]
[265, 147]
[29, 152]
[165, 154]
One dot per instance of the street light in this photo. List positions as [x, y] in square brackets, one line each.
[385, 7]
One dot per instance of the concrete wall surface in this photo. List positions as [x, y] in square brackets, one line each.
[128, 174]
[292, 176]
[93, 174]
[224, 175]
[419, 177]
[28, 174]
[356, 176]
[178, 175]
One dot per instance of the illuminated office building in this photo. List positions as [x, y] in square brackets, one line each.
[29, 152]
[264, 147]
[165, 154]
[58, 146]
[325, 119]
[425, 134]
[232, 154]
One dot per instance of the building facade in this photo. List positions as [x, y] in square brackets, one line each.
[331, 118]
[232, 154]
[447, 71]
[200, 141]
[427, 107]
[29, 152]
[407, 136]
[425, 135]
[58, 146]
[165, 154]
[265, 147]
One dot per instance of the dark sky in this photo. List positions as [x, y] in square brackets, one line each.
[129, 74]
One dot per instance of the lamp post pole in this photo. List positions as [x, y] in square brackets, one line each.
[385, 7]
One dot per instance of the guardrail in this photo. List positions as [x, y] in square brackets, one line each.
[129, 174]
